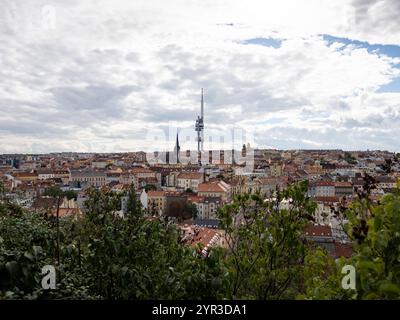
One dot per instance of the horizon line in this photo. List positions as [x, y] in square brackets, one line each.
[266, 149]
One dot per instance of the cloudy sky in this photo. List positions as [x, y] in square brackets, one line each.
[97, 75]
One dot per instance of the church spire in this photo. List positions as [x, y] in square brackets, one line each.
[177, 148]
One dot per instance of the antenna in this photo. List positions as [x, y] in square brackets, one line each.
[199, 127]
[202, 119]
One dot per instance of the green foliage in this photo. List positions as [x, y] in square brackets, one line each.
[322, 277]
[266, 251]
[192, 210]
[103, 255]
[70, 194]
[143, 261]
[24, 241]
[377, 254]
[375, 230]
[54, 191]
[150, 187]
[101, 203]
[134, 207]
[349, 158]
[2, 190]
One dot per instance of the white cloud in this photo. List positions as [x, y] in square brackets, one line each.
[109, 73]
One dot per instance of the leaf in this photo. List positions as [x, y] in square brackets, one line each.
[124, 270]
[37, 250]
[389, 288]
[25, 271]
[12, 268]
[28, 255]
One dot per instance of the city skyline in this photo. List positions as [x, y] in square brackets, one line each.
[108, 77]
[199, 156]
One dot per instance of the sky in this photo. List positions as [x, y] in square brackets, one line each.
[117, 76]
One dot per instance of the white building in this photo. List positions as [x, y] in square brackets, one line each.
[45, 174]
[189, 180]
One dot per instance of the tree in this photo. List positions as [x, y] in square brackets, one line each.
[266, 251]
[133, 257]
[2, 191]
[107, 256]
[192, 210]
[26, 244]
[387, 166]
[150, 187]
[349, 158]
[134, 207]
[322, 277]
[56, 193]
[377, 249]
[375, 232]
[70, 194]
[104, 255]
[53, 191]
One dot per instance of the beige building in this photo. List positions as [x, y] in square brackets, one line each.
[88, 178]
[142, 172]
[189, 180]
[275, 169]
[343, 189]
[25, 176]
[156, 202]
[100, 163]
[386, 182]
[215, 189]
[127, 178]
[45, 174]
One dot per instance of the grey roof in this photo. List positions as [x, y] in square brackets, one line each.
[210, 223]
[87, 173]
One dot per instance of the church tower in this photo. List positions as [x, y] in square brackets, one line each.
[177, 148]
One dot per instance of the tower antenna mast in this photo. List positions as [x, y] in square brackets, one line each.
[199, 127]
[202, 119]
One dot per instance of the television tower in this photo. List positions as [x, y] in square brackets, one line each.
[200, 129]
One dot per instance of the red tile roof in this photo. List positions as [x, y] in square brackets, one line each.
[315, 230]
[324, 183]
[195, 199]
[161, 193]
[343, 250]
[154, 193]
[141, 170]
[63, 212]
[25, 175]
[210, 187]
[190, 175]
[343, 184]
[327, 199]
